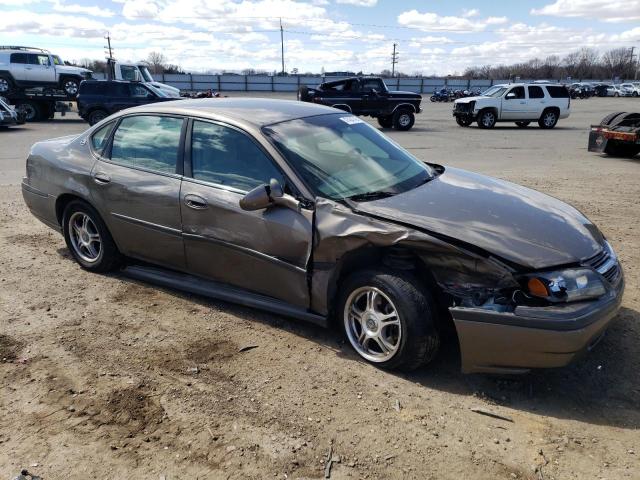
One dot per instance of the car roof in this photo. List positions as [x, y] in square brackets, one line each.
[255, 111]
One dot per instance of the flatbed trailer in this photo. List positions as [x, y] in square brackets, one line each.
[40, 103]
[618, 134]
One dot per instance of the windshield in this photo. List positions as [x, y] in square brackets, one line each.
[144, 71]
[57, 60]
[494, 92]
[340, 156]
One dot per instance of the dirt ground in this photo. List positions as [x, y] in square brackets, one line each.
[104, 377]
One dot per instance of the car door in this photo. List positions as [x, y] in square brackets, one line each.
[514, 104]
[140, 95]
[19, 66]
[264, 251]
[40, 69]
[118, 97]
[536, 103]
[137, 188]
[374, 95]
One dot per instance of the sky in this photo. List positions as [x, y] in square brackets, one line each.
[432, 36]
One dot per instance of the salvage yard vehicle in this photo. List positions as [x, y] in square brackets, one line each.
[100, 98]
[138, 72]
[618, 134]
[24, 67]
[10, 116]
[312, 213]
[367, 96]
[517, 102]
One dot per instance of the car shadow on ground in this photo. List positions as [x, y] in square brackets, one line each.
[601, 388]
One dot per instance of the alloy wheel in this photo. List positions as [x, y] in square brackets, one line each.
[372, 324]
[4, 85]
[404, 120]
[488, 119]
[549, 119]
[71, 87]
[85, 238]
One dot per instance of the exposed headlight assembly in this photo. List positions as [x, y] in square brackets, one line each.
[565, 285]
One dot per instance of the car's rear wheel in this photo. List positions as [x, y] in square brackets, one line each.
[303, 93]
[5, 84]
[388, 318]
[88, 238]
[548, 119]
[32, 111]
[523, 124]
[403, 120]
[386, 121]
[487, 119]
[97, 116]
[463, 122]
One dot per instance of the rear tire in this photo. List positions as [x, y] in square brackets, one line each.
[403, 120]
[548, 119]
[389, 318]
[487, 119]
[97, 116]
[523, 124]
[88, 238]
[609, 118]
[303, 93]
[386, 121]
[622, 150]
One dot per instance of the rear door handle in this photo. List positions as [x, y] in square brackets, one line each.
[101, 178]
[195, 201]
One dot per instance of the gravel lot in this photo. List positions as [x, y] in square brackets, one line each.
[105, 377]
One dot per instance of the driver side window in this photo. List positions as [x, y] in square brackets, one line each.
[226, 156]
[519, 93]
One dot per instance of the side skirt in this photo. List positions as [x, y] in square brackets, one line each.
[219, 291]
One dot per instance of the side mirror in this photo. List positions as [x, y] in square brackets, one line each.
[510, 96]
[264, 196]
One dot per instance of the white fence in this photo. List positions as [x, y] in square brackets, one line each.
[267, 83]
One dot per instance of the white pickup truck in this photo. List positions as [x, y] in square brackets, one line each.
[140, 73]
[521, 103]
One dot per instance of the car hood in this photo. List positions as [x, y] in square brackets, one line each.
[520, 225]
[168, 89]
[71, 69]
[400, 93]
[470, 99]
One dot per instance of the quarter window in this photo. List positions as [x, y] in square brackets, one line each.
[19, 58]
[100, 137]
[225, 156]
[148, 141]
[536, 92]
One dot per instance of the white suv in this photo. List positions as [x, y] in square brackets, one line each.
[521, 103]
[22, 67]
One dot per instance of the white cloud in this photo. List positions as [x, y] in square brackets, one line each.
[359, 3]
[468, 13]
[432, 22]
[606, 10]
[82, 9]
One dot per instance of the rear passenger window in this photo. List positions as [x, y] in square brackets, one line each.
[148, 141]
[536, 92]
[558, 91]
[100, 137]
[225, 156]
[19, 58]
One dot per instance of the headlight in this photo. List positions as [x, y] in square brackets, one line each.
[565, 286]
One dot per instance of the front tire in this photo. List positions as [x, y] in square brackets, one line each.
[97, 116]
[403, 120]
[88, 238]
[548, 119]
[388, 318]
[70, 86]
[6, 85]
[463, 122]
[487, 119]
[386, 121]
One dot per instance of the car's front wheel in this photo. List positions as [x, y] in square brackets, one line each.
[403, 120]
[388, 318]
[5, 84]
[463, 121]
[386, 121]
[487, 119]
[88, 238]
[70, 85]
[97, 116]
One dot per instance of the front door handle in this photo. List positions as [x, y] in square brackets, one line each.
[101, 178]
[195, 201]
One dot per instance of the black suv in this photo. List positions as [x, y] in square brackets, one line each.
[367, 96]
[98, 99]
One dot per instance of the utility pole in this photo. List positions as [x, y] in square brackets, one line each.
[394, 60]
[110, 60]
[282, 45]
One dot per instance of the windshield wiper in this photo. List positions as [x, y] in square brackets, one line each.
[364, 197]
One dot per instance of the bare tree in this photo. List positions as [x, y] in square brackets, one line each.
[156, 62]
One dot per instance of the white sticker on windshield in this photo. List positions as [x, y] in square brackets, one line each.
[351, 120]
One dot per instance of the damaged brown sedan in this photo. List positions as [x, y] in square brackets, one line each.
[310, 212]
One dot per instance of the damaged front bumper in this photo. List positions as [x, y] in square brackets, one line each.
[532, 337]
